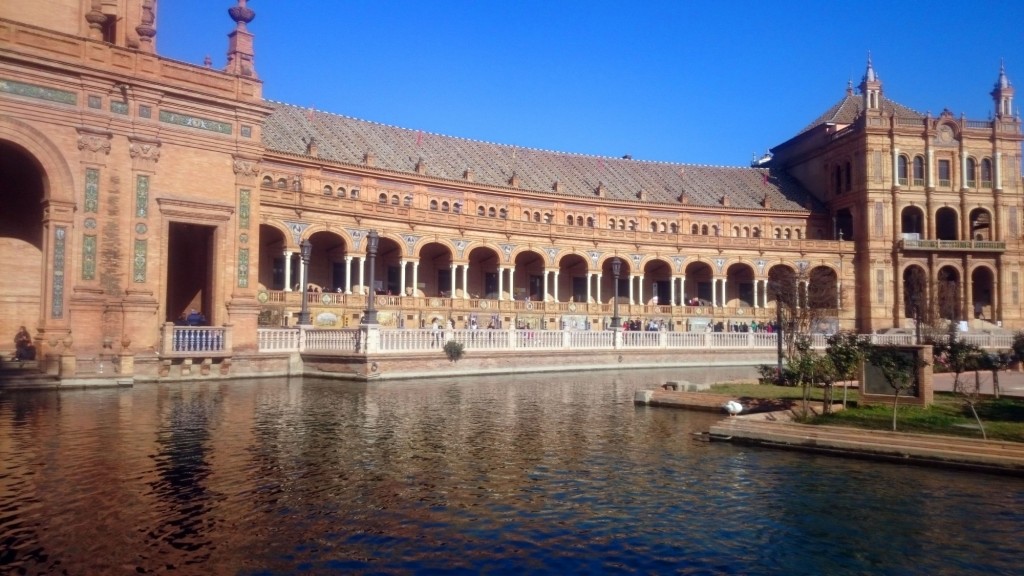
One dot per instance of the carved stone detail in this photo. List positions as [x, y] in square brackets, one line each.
[94, 144]
[247, 169]
[145, 152]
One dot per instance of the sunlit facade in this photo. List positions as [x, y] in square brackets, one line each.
[138, 189]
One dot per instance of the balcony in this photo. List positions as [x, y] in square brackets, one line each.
[953, 245]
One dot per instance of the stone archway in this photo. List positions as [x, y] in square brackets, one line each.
[22, 240]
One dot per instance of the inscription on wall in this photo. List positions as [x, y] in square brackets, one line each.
[195, 122]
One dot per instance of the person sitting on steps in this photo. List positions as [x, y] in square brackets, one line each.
[24, 349]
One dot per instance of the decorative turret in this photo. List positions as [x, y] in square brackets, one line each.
[1003, 95]
[240, 45]
[871, 88]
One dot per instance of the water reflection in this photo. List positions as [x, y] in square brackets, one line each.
[538, 474]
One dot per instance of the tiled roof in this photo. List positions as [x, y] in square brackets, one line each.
[347, 140]
[846, 111]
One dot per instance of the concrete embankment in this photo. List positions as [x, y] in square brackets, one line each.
[945, 451]
[769, 423]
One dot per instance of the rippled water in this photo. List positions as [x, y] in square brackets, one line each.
[552, 474]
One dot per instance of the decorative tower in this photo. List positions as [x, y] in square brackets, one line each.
[871, 89]
[240, 45]
[1003, 95]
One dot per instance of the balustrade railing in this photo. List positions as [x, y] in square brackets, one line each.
[195, 340]
[348, 340]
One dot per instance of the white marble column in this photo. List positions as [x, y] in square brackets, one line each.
[590, 280]
[501, 283]
[415, 277]
[600, 277]
[725, 295]
[362, 274]
[714, 292]
[682, 289]
[632, 282]
[641, 289]
[556, 286]
[755, 302]
[512, 283]
[348, 274]
[672, 291]
[452, 290]
[544, 286]
[288, 270]
[465, 281]
[401, 278]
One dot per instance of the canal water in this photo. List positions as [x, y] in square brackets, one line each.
[552, 474]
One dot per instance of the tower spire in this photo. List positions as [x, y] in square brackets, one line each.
[1002, 94]
[871, 88]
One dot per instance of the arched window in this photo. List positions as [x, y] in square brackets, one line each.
[986, 173]
[674, 227]
[663, 228]
[714, 229]
[590, 221]
[526, 215]
[394, 200]
[736, 231]
[445, 206]
[341, 192]
[408, 200]
[694, 229]
[838, 184]
[611, 224]
[503, 213]
[491, 212]
[787, 233]
[569, 220]
[778, 232]
[901, 170]
[536, 216]
[579, 221]
[354, 193]
[457, 207]
[799, 234]
[654, 226]
[382, 198]
[549, 217]
[746, 231]
[918, 171]
[756, 232]
[849, 177]
[282, 183]
[268, 181]
[328, 191]
[704, 230]
[481, 211]
[296, 185]
[433, 205]
[972, 173]
[622, 224]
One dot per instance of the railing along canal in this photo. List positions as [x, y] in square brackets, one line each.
[348, 340]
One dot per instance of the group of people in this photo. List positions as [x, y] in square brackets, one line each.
[769, 327]
[192, 318]
[635, 325]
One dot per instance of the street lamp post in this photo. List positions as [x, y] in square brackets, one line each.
[305, 248]
[616, 269]
[774, 286]
[372, 241]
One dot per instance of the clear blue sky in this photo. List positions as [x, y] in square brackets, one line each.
[694, 82]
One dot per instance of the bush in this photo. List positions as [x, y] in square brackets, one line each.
[454, 350]
[769, 374]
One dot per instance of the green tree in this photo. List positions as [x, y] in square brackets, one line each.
[846, 352]
[898, 367]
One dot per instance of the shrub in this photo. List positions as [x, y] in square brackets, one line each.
[454, 350]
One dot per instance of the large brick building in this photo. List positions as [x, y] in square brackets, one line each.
[137, 188]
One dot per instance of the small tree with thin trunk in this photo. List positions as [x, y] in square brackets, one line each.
[846, 351]
[898, 367]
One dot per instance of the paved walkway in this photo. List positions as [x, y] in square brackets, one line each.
[1011, 383]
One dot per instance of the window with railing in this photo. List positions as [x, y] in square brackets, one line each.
[986, 173]
[901, 170]
[918, 171]
[972, 173]
[945, 178]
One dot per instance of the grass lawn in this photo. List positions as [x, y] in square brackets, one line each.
[949, 415]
